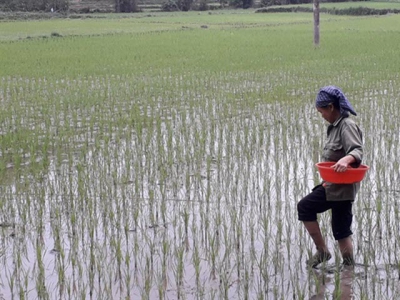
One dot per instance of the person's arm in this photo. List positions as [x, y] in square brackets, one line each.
[343, 163]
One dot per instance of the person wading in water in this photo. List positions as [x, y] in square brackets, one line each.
[343, 146]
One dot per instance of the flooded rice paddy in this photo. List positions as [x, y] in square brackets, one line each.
[185, 187]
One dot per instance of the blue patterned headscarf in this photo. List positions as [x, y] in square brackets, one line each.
[332, 94]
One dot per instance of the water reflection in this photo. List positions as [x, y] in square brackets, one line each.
[341, 281]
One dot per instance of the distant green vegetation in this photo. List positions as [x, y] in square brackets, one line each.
[360, 8]
[369, 4]
[387, 1]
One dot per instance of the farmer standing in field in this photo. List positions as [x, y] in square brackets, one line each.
[343, 146]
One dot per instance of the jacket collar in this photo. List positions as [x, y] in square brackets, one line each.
[335, 124]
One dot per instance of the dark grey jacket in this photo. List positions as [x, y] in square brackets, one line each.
[344, 138]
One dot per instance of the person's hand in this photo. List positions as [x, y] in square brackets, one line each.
[343, 163]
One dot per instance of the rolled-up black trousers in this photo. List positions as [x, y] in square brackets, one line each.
[316, 203]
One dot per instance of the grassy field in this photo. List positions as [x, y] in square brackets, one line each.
[162, 156]
[100, 24]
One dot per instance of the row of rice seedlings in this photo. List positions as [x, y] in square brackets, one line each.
[159, 146]
[190, 192]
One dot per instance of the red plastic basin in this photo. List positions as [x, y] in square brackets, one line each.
[351, 175]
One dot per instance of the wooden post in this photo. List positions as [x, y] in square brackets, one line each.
[316, 22]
